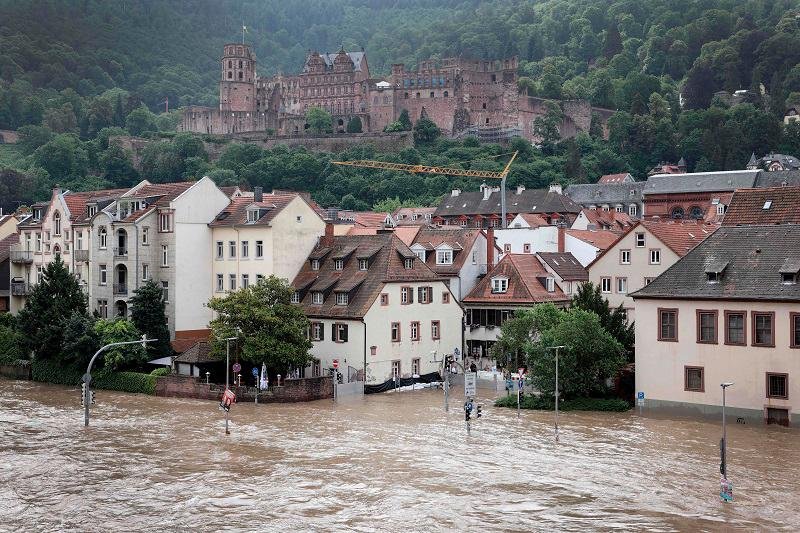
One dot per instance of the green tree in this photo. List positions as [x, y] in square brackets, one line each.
[63, 157]
[354, 125]
[426, 131]
[590, 298]
[81, 341]
[319, 120]
[11, 341]
[547, 127]
[149, 316]
[48, 306]
[140, 120]
[117, 167]
[269, 327]
[32, 137]
[404, 120]
[120, 357]
[522, 329]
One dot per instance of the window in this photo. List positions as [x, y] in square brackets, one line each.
[252, 215]
[317, 331]
[507, 248]
[763, 328]
[778, 386]
[415, 331]
[259, 249]
[425, 295]
[102, 235]
[145, 236]
[707, 326]
[245, 249]
[363, 264]
[220, 283]
[640, 240]
[295, 295]
[220, 250]
[421, 255]
[655, 256]
[165, 291]
[526, 248]
[735, 328]
[668, 325]
[693, 379]
[499, 285]
[164, 255]
[444, 257]
[316, 369]
[415, 366]
[102, 308]
[720, 209]
[317, 298]
[338, 264]
[78, 240]
[231, 249]
[91, 211]
[396, 364]
[245, 280]
[165, 222]
[315, 264]
[409, 263]
[788, 278]
[622, 285]
[145, 271]
[384, 299]
[605, 284]
[103, 274]
[395, 331]
[794, 330]
[341, 298]
[632, 209]
[406, 295]
[232, 282]
[57, 223]
[625, 257]
[445, 297]
[435, 330]
[339, 332]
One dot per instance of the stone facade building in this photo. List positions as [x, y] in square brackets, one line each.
[462, 96]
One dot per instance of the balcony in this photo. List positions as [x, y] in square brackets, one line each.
[81, 256]
[120, 288]
[24, 257]
[120, 253]
[20, 288]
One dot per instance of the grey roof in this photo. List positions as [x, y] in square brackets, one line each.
[788, 162]
[592, 193]
[728, 180]
[528, 201]
[355, 57]
[753, 257]
[565, 265]
[777, 178]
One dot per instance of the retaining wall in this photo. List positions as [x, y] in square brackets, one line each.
[292, 390]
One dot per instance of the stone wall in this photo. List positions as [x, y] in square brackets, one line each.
[16, 371]
[292, 390]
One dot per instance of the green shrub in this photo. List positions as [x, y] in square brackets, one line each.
[47, 372]
[542, 403]
[163, 371]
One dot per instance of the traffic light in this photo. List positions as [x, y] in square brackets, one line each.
[467, 410]
[478, 415]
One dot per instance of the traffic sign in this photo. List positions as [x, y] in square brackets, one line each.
[470, 384]
[255, 372]
[237, 368]
[521, 383]
[335, 363]
[456, 352]
[640, 397]
[521, 372]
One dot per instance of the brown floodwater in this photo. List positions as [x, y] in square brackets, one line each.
[388, 462]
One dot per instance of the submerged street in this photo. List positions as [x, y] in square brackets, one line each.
[387, 462]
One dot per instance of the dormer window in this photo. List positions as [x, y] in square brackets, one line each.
[315, 264]
[408, 263]
[767, 205]
[363, 264]
[714, 271]
[341, 298]
[295, 297]
[252, 216]
[712, 277]
[91, 211]
[789, 271]
[550, 284]
[317, 298]
[37, 213]
[444, 257]
[788, 278]
[499, 285]
[338, 264]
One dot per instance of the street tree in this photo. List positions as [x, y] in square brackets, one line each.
[120, 330]
[269, 327]
[522, 329]
[590, 298]
[149, 316]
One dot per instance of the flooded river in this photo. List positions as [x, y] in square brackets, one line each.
[389, 462]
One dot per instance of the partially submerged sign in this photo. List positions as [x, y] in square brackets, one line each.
[470, 384]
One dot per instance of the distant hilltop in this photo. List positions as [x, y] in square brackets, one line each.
[462, 96]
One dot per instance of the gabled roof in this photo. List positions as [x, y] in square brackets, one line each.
[460, 240]
[199, 352]
[404, 216]
[728, 180]
[610, 220]
[600, 239]
[606, 193]
[386, 265]
[565, 265]
[680, 237]
[780, 205]
[753, 258]
[235, 214]
[778, 178]
[527, 201]
[534, 220]
[622, 177]
[77, 201]
[526, 277]
[164, 193]
[328, 58]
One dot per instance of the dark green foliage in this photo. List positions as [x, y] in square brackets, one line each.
[354, 125]
[426, 131]
[81, 341]
[49, 372]
[546, 403]
[149, 316]
[50, 304]
[589, 298]
[319, 120]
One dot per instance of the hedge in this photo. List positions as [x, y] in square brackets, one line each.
[542, 403]
[48, 372]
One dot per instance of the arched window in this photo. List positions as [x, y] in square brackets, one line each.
[230, 75]
[446, 94]
[57, 223]
[677, 212]
[230, 64]
[102, 236]
[696, 212]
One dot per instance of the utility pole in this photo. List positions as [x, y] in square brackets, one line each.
[726, 489]
[87, 377]
[556, 348]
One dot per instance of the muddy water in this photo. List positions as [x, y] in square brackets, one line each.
[391, 462]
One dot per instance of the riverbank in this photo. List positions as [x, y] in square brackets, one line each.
[541, 403]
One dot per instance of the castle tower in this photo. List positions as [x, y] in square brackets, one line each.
[237, 87]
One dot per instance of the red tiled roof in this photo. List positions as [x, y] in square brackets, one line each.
[535, 220]
[370, 219]
[600, 239]
[460, 239]
[613, 178]
[680, 237]
[235, 214]
[610, 220]
[525, 283]
[76, 201]
[166, 191]
[747, 207]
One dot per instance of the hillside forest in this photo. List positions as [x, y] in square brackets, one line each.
[74, 74]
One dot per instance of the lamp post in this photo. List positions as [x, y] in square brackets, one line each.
[556, 348]
[723, 448]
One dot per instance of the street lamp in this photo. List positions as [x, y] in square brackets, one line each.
[723, 445]
[556, 348]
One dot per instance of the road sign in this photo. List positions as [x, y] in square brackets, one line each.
[470, 384]
[335, 363]
[521, 383]
[456, 352]
[640, 397]
[521, 372]
[255, 372]
[236, 368]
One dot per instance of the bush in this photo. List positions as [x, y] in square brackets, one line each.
[163, 371]
[542, 403]
[47, 372]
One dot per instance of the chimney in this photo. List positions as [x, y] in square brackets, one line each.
[258, 194]
[489, 249]
[520, 189]
[562, 237]
[327, 239]
[486, 190]
[556, 188]
[455, 192]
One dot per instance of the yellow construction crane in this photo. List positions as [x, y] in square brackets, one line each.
[447, 171]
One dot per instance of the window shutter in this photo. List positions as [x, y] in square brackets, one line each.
[333, 332]
[344, 333]
[411, 295]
